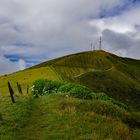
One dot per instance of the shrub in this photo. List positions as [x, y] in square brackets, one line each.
[80, 92]
[44, 86]
[66, 87]
[38, 86]
[103, 96]
[51, 86]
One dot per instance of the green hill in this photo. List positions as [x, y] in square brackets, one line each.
[63, 114]
[99, 70]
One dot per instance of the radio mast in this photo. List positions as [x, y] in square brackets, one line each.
[100, 43]
[91, 46]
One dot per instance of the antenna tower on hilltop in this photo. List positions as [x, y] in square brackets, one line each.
[100, 43]
[91, 46]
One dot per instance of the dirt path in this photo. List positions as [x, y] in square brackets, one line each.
[95, 70]
[34, 128]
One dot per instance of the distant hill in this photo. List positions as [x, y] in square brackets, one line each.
[99, 70]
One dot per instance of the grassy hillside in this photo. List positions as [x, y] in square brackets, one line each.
[101, 71]
[26, 77]
[70, 112]
[57, 117]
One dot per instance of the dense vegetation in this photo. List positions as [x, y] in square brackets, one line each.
[58, 114]
[43, 86]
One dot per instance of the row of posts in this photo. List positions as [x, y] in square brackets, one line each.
[19, 90]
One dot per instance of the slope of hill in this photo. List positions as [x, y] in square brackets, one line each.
[26, 77]
[101, 71]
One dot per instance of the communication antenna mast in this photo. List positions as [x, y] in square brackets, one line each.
[100, 43]
[91, 46]
[94, 46]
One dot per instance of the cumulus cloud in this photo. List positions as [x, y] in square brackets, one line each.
[22, 64]
[8, 66]
[44, 29]
[121, 43]
[121, 33]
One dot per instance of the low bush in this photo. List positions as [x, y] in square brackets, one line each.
[103, 96]
[51, 86]
[66, 87]
[38, 86]
[44, 86]
[81, 92]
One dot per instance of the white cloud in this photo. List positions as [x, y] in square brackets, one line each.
[122, 44]
[44, 29]
[22, 64]
[7, 66]
[113, 24]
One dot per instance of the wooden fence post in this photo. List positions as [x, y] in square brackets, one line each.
[19, 88]
[27, 89]
[11, 92]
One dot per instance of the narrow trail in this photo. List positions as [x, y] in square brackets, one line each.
[43, 121]
[34, 128]
[95, 70]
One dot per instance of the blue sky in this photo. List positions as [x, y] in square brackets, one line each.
[119, 9]
[36, 31]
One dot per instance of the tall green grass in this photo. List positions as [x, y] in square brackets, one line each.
[14, 116]
[59, 117]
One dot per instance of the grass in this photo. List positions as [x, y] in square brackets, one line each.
[119, 87]
[58, 117]
[14, 116]
[101, 71]
[26, 77]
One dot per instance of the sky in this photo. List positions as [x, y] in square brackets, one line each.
[32, 31]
